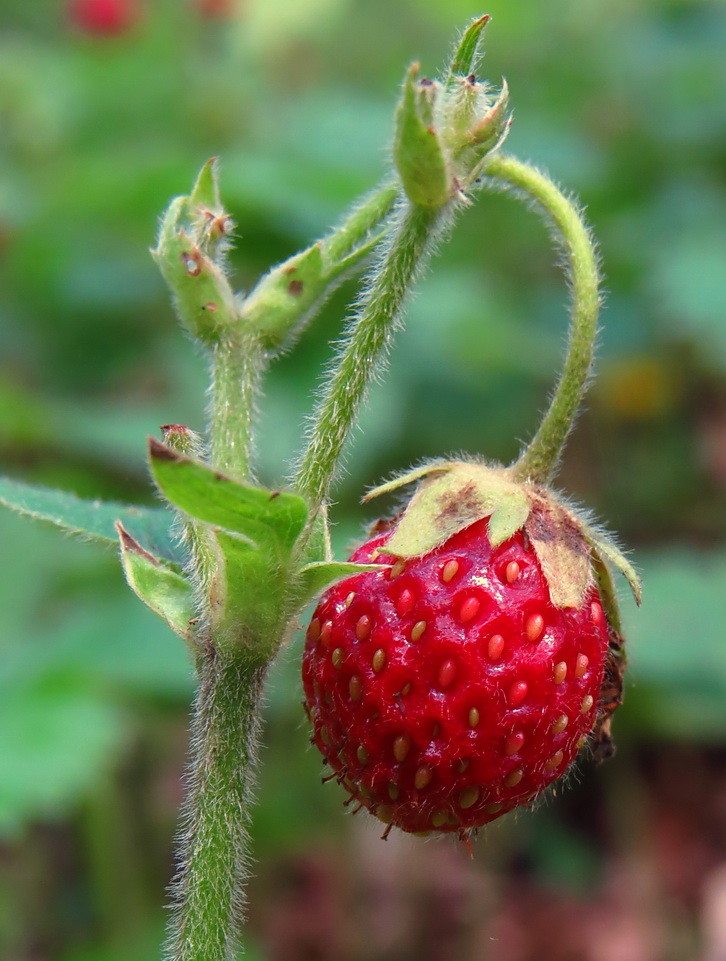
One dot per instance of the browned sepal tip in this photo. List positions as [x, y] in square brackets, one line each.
[167, 429]
[128, 543]
[274, 494]
[159, 451]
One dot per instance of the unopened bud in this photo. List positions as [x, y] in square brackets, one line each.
[182, 439]
[492, 127]
[192, 239]
[418, 152]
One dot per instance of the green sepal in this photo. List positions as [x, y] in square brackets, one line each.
[205, 192]
[285, 294]
[168, 594]
[606, 546]
[490, 130]
[466, 55]
[562, 550]
[313, 578]
[270, 519]
[408, 477]
[454, 497]
[608, 593]
[96, 520]
[508, 516]
[285, 297]
[418, 153]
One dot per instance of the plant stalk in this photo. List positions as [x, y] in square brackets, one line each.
[237, 363]
[209, 888]
[404, 256]
[539, 461]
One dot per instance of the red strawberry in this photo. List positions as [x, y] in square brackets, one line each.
[455, 685]
[103, 17]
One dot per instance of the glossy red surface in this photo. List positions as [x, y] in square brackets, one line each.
[441, 658]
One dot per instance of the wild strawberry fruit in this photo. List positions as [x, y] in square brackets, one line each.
[103, 17]
[459, 680]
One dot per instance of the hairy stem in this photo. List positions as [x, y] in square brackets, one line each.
[237, 364]
[209, 888]
[539, 461]
[370, 331]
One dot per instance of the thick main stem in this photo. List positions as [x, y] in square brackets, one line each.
[209, 887]
[237, 363]
[404, 257]
[539, 460]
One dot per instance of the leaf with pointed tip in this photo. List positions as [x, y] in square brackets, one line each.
[508, 516]
[150, 526]
[315, 577]
[562, 551]
[465, 57]
[205, 191]
[611, 552]
[270, 519]
[166, 593]
[410, 477]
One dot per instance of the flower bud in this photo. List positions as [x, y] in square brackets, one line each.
[418, 152]
[193, 239]
[445, 131]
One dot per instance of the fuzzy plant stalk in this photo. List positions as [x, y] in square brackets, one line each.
[230, 565]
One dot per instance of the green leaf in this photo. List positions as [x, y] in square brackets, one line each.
[271, 519]
[315, 577]
[150, 527]
[465, 57]
[166, 593]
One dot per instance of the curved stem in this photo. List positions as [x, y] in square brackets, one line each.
[363, 352]
[538, 462]
[209, 888]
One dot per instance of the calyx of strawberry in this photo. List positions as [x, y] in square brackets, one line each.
[451, 495]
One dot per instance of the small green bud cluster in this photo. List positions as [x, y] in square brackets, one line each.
[193, 240]
[446, 130]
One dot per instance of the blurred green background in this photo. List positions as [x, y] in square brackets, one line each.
[623, 102]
